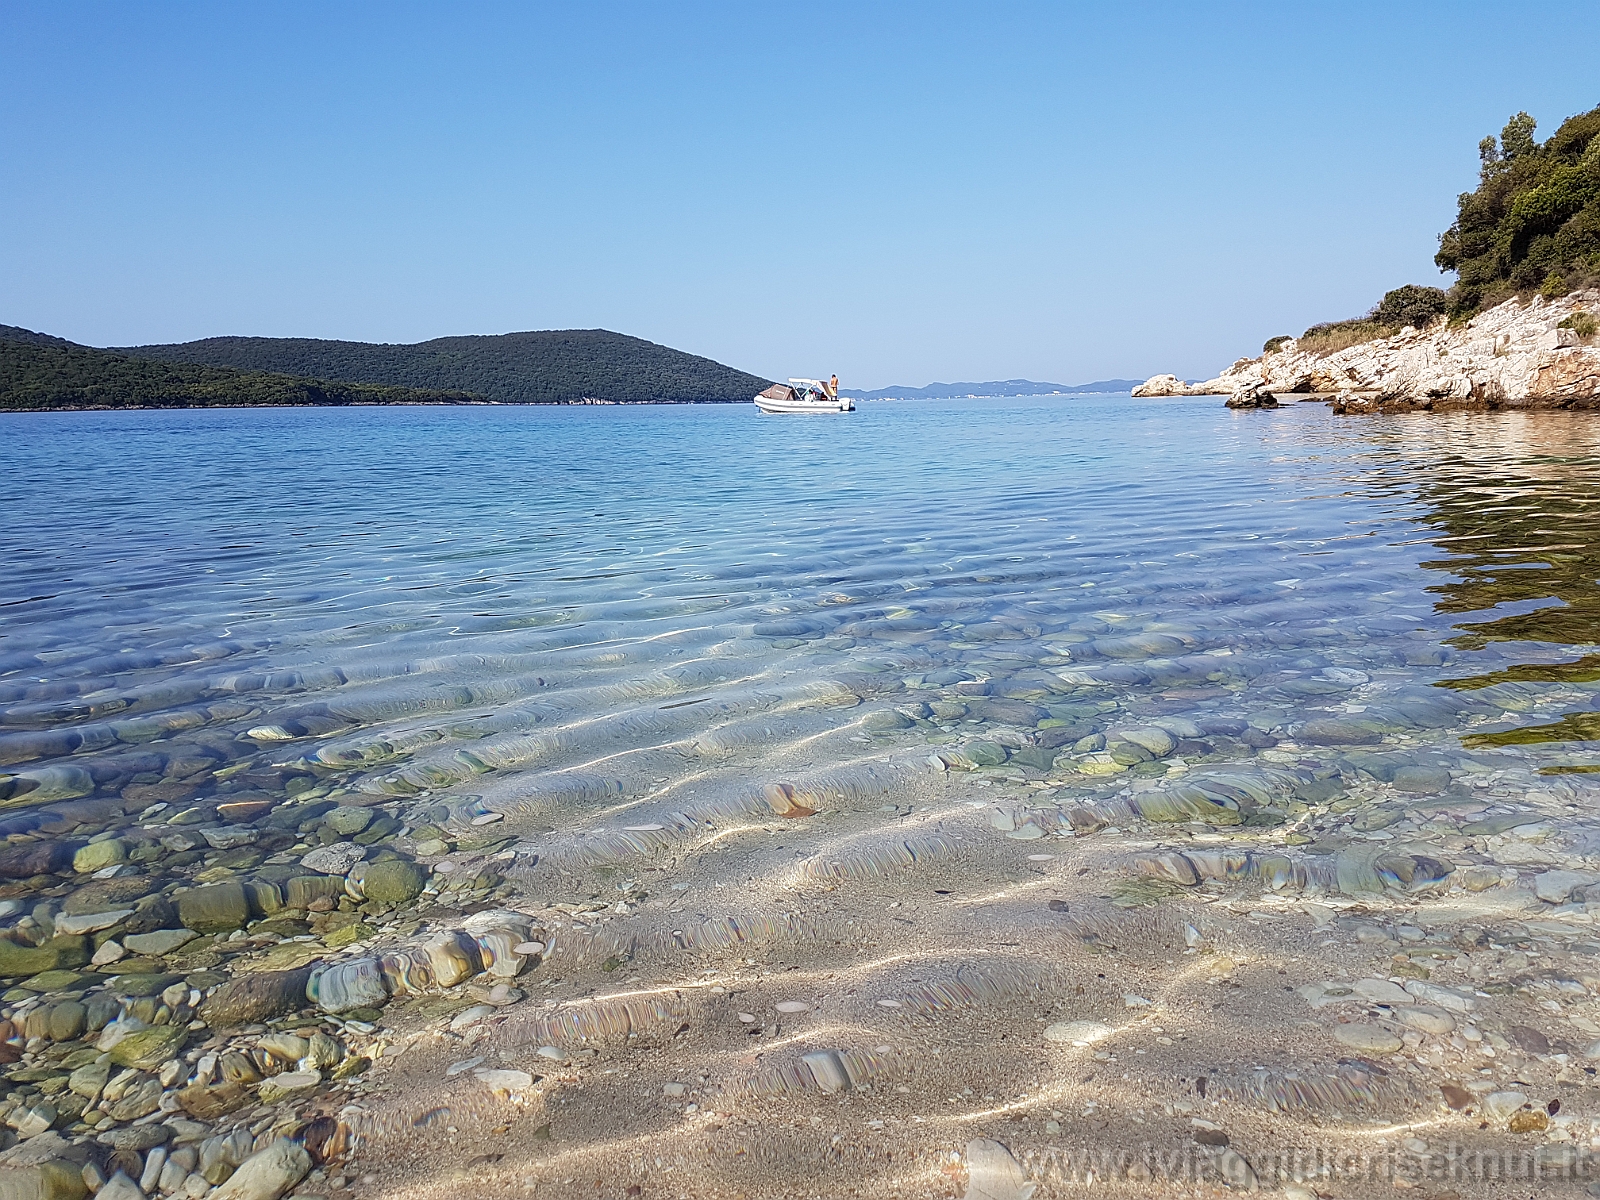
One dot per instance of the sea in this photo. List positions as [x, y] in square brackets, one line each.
[663, 710]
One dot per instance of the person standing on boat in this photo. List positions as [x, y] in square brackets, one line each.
[833, 388]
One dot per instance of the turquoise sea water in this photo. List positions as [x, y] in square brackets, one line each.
[149, 555]
[586, 653]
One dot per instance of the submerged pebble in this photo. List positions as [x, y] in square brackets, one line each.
[1078, 1033]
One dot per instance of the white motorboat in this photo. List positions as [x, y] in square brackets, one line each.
[804, 396]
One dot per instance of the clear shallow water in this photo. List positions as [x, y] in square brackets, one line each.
[158, 560]
[582, 655]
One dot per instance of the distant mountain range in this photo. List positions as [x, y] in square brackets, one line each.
[572, 366]
[995, 388]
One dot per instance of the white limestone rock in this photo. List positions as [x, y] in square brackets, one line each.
[1515, 355]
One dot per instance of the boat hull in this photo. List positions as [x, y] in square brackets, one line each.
[780, 407]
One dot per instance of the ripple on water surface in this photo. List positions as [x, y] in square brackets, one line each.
[726, 769]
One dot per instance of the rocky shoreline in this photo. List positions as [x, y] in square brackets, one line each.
[1517, 355]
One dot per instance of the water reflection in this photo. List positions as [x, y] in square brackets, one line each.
[1516, 503]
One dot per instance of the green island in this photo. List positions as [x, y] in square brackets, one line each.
[36, 376]
[594, 366]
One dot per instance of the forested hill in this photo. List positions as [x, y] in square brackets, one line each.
[550, 366]
[38, 371]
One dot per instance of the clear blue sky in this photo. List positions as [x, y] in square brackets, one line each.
[896, 192]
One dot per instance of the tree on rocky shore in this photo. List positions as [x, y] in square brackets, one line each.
[1534, 220]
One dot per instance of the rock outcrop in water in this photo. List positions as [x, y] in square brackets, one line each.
[1534, 354]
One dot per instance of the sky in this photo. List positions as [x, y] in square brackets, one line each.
[899, 193]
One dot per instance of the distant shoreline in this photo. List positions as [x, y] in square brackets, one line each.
[366, 404]
[63, 408]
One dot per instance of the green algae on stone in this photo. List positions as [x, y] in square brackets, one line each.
[148, 1049]
[348, 821]
[97, 856]
[67, 1021]
[215, 908]
[59, 981]
[394, 881]
[56, 954]
[1572, 727]
[143, 985]
[302, 891]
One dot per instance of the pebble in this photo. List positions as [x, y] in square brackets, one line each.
[267, 1174]
[160, 942]
[216, 908]
[154, 1163]
[347, 821]
[286, 1047]
[827, 1070]
[290, 1083]
[229, 837]
[1427, 1020]
[993, 1173]
[792, 1006]
[1381, 991]
[121, 1187]
[1236, 1170]
[147, 1049]
[553, 1053]
[96, 856]
[1150, 737]
[1442, 997]
[91, 922]
[1078, 1033]
[1556, 887]
[1368, 1039]
[469, 1017]
[30, 1120]
[1500, 1105]
[137, 1138]
[505, 1083]
[258, 996]
[336, 859]
[395, 881]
